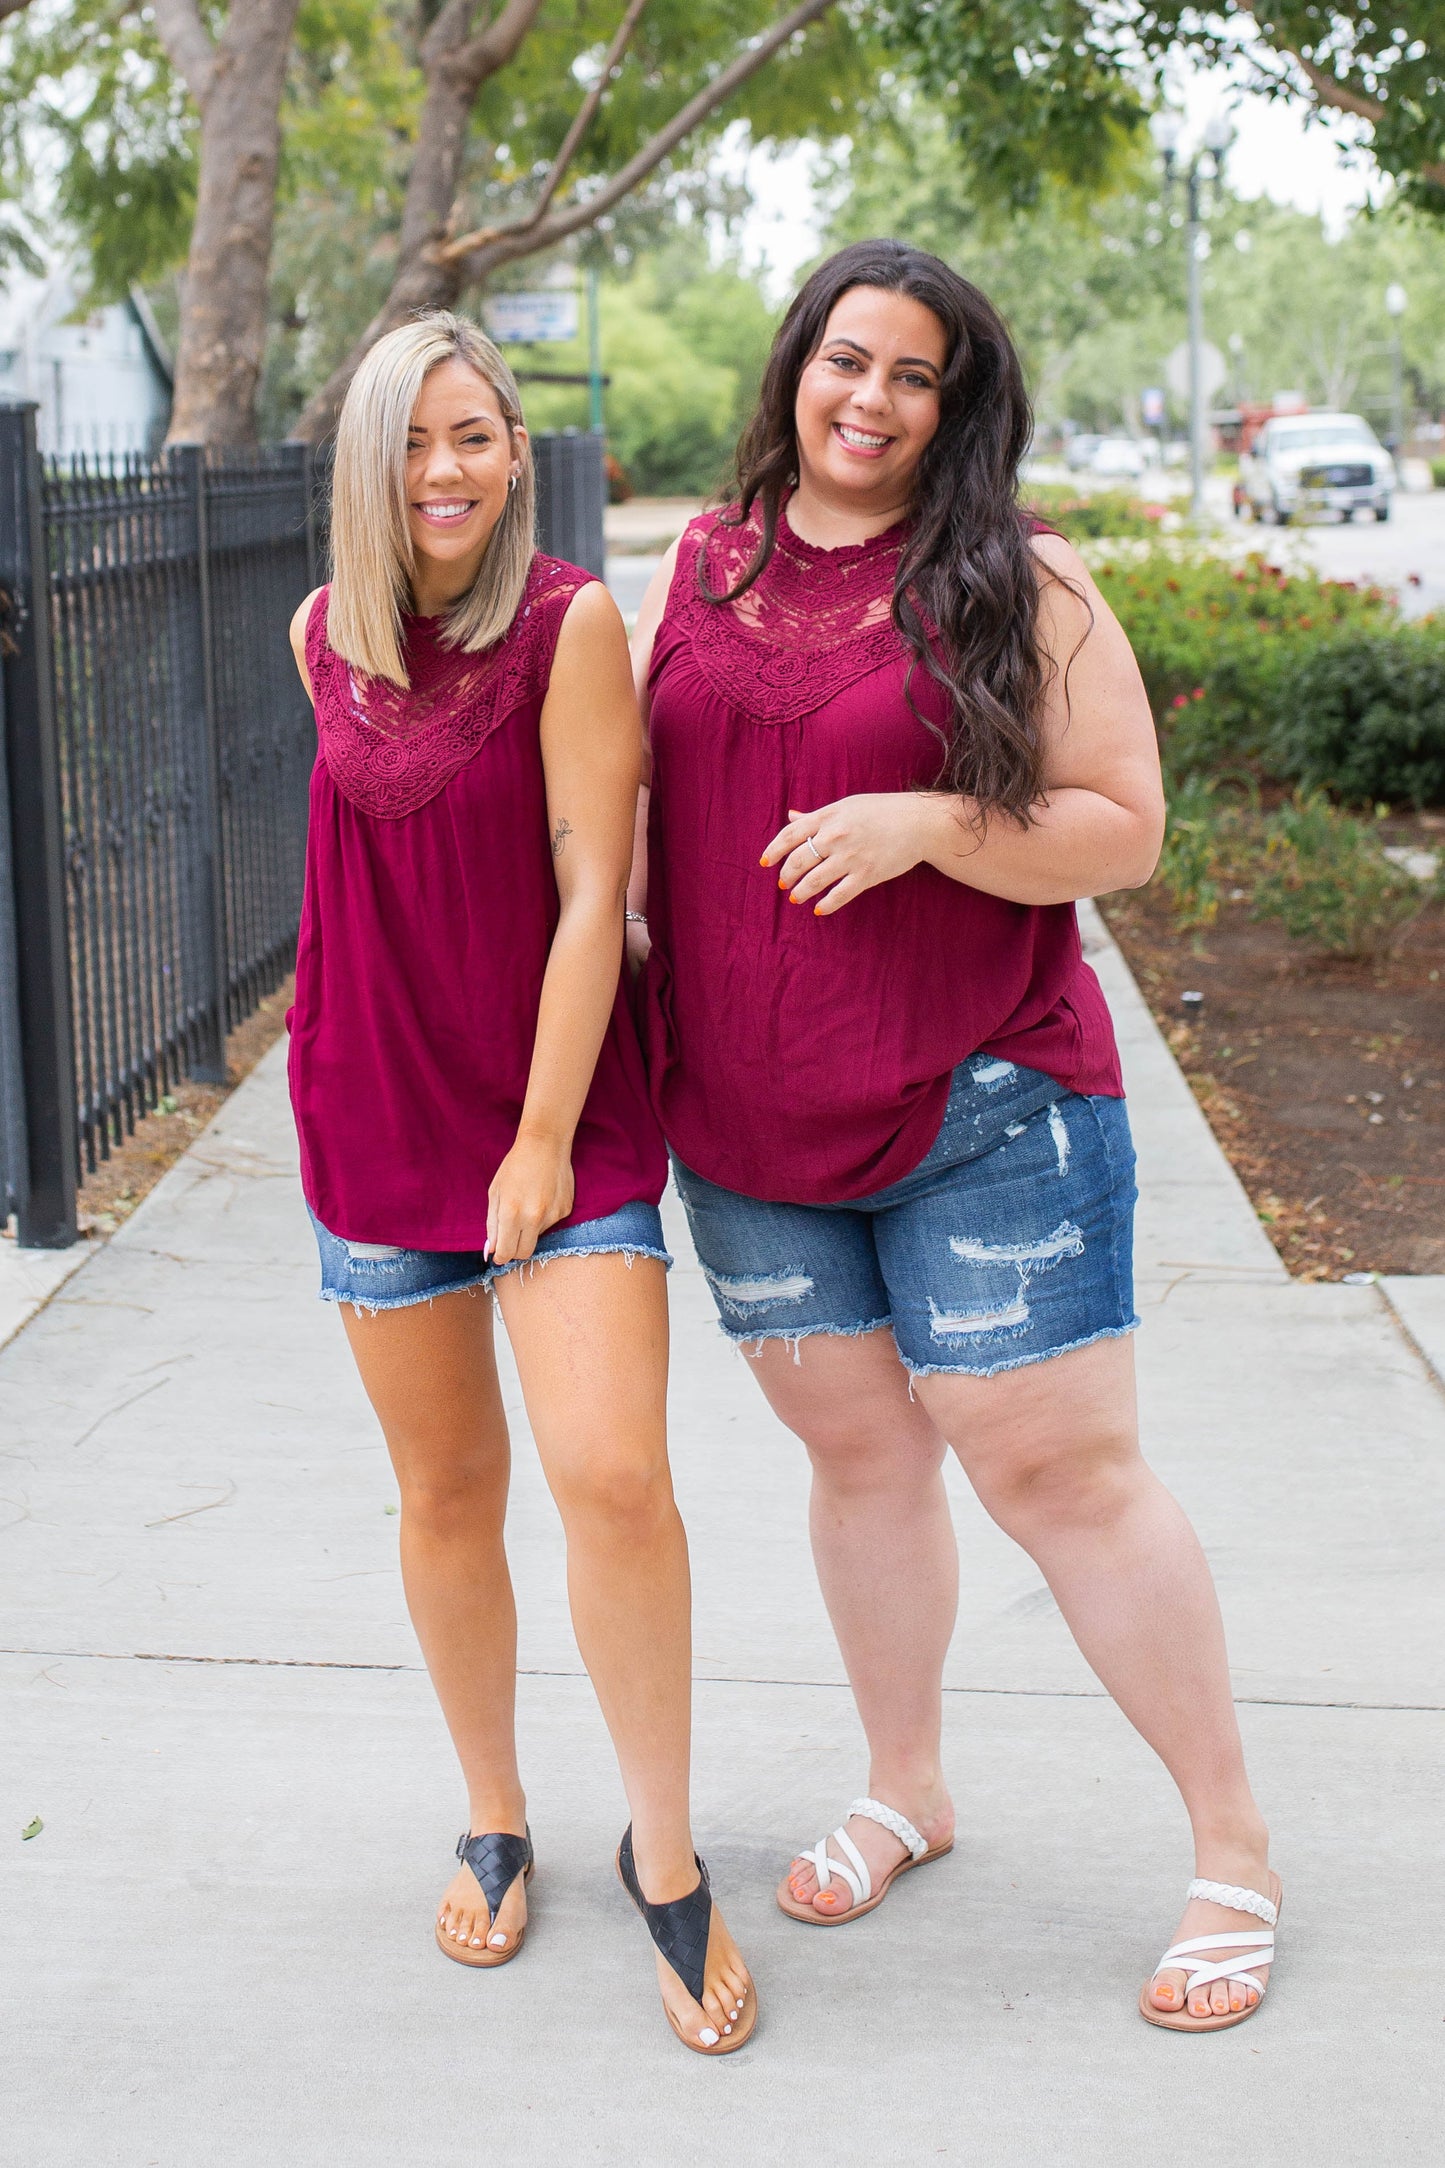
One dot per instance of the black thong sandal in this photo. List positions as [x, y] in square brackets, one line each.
[496, 1860]
[680, 1929]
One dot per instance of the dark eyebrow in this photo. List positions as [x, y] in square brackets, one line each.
[904, 361]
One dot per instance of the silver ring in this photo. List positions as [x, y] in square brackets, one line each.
[812, 846]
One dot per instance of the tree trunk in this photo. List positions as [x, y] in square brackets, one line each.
[431, 271]
[456, 64]
[421, 281]
[223, 309]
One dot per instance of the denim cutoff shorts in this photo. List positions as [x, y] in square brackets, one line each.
[1011, 1242]
[374, 1276]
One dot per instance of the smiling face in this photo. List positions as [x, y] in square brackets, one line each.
[868, 399]
[460, 458]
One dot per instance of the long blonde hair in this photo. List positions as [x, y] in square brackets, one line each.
[370, 534]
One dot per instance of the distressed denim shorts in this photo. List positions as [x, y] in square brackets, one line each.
[1012, 1241]
[374, 1276]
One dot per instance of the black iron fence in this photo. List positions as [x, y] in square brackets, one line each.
[154, 761]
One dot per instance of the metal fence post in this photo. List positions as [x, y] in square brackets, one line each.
[45, 1201]
[209, 1066]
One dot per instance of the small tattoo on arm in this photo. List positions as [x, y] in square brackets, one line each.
[560, 834]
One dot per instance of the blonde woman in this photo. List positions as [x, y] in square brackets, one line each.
[470, 1100]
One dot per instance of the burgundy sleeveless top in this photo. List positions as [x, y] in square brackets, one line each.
[801, 1059]
[429, 909]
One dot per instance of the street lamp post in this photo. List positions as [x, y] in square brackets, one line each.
[594, 347]
[1396, 302]
[1206, 161]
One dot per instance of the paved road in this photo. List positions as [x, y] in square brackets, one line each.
[1406, 552]
[218, 1950]
[627, 581]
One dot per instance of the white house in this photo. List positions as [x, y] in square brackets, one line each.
[102, 378]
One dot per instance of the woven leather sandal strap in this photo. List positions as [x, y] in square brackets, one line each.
[889, 1818]
[496, 1858]
[678, 1927]
[1235, 1898]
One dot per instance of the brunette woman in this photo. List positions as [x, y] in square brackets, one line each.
[896, 732]
[473, 1112]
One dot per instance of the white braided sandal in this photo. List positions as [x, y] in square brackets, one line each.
[853, 1867]
[1247, 1964]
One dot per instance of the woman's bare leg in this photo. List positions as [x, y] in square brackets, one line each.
[887, 1563]
[590, 1338]
[430, 1374]
[1052, 1451]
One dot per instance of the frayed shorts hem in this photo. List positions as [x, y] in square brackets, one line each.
[486, 1280]
[746, 1340]
[756, 1341]
[628, 1250]
[372, 1303]
[1017, 1362]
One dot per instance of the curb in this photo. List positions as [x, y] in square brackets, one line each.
[1418, 1303]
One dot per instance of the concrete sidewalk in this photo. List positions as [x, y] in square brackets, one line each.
[218, 1950]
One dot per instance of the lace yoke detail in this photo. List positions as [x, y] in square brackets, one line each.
[390, 748]
[815, 622]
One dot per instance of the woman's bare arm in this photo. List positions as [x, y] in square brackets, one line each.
[1100, 822]
[299, 623]
[591, 753]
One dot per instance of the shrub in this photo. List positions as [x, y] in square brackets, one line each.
[1315, 681]
[1190, 863]
[1437, 473]
[1324, 876]
[1110, 513]
[1363, 715]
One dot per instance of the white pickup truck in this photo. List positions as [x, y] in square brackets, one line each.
[1315, 463]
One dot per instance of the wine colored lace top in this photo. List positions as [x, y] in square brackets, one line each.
[802, 1059]
[429, 909]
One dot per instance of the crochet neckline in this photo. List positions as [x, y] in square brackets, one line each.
[390, 748]
[813, 622]
[823, 554]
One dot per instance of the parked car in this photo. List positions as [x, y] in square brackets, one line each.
[1118, 456]
[1315, 463]
[1080, 450]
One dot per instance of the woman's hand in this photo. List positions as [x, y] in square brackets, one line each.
[532, 1190]
[855, 843]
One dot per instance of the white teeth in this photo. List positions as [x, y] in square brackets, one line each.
[444, 511]
[860, 438]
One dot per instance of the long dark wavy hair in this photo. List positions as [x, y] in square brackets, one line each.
[966, 572]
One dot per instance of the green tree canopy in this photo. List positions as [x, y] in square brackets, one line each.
[1093, 285]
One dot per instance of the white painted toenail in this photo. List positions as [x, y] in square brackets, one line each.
[499, 1942]
[727, 2028]
[708, 2037]
[476, 1942]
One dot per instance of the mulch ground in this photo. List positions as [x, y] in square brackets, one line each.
[1322, 1077]
[113, 1191]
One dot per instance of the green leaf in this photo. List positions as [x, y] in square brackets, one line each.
[32, 1829]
